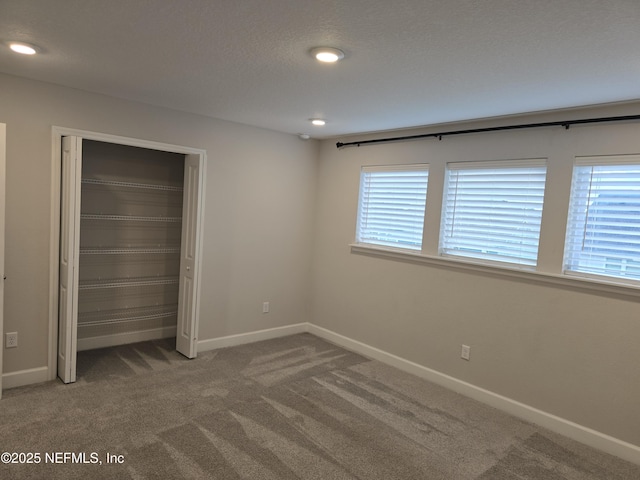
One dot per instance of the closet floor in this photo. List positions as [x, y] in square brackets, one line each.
[125, 361]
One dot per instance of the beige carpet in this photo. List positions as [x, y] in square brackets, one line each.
[291, 408]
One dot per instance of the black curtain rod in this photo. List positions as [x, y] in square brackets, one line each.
[564, 123]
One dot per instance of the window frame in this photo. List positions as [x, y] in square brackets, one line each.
[500, 256]
[374, 169]
[572, 258]
[549, 271]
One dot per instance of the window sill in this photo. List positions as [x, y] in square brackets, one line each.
[525, 274]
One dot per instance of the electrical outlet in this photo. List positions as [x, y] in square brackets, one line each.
[465, 353]
[11, 340]
[265, 307]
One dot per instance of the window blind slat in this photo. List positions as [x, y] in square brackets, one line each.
[493, 212]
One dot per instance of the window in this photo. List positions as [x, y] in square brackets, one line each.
[603, 228]
[492, 210]
[391, 206]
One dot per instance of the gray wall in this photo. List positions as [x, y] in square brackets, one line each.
[260, 193]
[565, 350]
[280, 214]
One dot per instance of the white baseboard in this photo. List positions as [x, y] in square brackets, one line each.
[25, 377]
[251, 337]
[587, 436]
[124, 338]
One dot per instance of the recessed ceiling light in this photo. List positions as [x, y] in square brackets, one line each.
[318, 122]
[23, 48]
[327, 54]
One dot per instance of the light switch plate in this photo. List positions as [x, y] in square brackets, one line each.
[465, 353]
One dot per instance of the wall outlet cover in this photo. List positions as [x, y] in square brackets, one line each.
[11, 340]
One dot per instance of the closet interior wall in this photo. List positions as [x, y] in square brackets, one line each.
[130, 230]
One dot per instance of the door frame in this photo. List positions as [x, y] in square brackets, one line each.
[3, 162]
[54, 243]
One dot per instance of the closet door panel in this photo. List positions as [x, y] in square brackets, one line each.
[69, 257]
[186, 341]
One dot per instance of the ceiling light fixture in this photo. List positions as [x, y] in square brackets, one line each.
[318, 122]
[327, 54]
[23, 48]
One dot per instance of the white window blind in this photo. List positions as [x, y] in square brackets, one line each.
[492, 210]
[603, 229]
[392, 205]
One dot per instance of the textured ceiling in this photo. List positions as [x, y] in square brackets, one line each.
[408, 62]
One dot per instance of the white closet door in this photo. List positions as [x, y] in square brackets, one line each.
[69, 257]
[3, 129]
[186, 339]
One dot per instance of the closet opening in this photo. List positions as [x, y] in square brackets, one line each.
[129, 246]
[130, 231]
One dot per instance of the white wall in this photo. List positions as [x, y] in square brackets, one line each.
[565, 350]
[260, 193]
